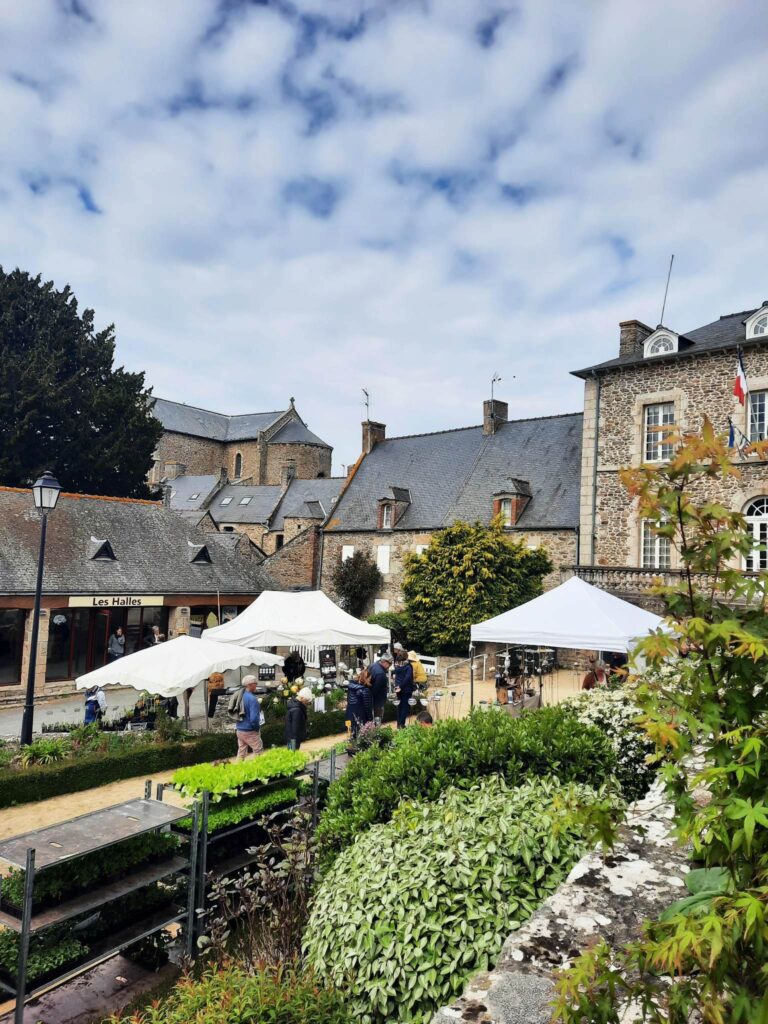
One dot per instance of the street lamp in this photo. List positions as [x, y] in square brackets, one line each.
[46, 492]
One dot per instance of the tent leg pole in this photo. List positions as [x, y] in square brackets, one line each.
[471, 676]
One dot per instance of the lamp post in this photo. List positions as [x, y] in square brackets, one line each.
[46, 492]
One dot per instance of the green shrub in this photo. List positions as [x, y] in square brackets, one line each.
[233, 995]
[44, 751]
[63, 880]
[234, 811]
[421, 763]
[225, 779]
[415, 906]
[47, 954]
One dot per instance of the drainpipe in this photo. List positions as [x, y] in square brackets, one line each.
[593, 535]
[322, 554]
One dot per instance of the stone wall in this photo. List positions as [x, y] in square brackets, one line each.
[310, 460]
[603, 898]
[297, 563]
[698, 386]
[255, 531]
[561, 545]
[198, 455]
[251, 452]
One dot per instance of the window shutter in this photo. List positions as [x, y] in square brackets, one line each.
[382, 558]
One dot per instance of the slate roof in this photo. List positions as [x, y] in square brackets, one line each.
[151, 544]
[727, 332]
[263, 500]
[452, 475]
[295, 432]
[301, 492]
[188, 419]
[184, 487]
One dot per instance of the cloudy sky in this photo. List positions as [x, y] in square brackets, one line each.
[309, 197]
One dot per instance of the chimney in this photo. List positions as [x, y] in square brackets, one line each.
[372, 434]
[287, 473]
[494, 414]
[174, 469]
[167, 495]
[632, 335]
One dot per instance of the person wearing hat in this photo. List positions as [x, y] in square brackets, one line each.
[296, 718]
[248, 728]
[379, 676]
[419, 672]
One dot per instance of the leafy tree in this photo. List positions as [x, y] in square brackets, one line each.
[356, 580]
[396, 623]
[706, 707]
[467, 574]
[63, 405]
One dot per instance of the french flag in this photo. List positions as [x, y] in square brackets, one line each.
[740, 388]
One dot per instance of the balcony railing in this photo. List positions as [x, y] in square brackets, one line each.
[634, 578]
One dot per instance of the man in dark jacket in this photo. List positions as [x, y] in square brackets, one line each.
[296, 718]
[379, 676]
[404, 687]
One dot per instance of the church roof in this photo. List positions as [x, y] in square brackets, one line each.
[179, 418]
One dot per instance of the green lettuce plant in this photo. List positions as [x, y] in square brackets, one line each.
[226, 779]
[233, 813]
[47, 954]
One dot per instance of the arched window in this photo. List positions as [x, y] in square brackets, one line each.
[238, 466]
[661, 345]
[760, 327]
[756, 514]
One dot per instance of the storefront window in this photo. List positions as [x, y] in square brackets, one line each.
[78, 638]
[11, 642]
[59, 644]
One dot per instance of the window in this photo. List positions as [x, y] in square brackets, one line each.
[656, 551]
[247, 500]
[279, 541]
[382, 558]
[661, 345]
[347, 551]
[757, 408]
[756, 514]
[194, 496]
[238, 466]
[226, 501]
[227, 529]
[505, 508]
[386, 517]
[656, 448]
[381, 604]
[760, 327]
[421, 548]
[11, 640]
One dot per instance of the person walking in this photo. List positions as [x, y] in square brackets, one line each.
[404, 687]
[248, 728]
[596, 675]
[296, 718]
[116, 645]
[379, 676]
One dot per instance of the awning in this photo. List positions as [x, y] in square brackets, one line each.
[575, 615]
[170, 668]
[284, 619]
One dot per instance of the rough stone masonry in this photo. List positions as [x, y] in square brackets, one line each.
[602, 898]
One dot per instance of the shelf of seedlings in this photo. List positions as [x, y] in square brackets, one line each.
[79, 892]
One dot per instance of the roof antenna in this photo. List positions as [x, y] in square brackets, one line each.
[495, 379]
[664, 303]
[367, 403]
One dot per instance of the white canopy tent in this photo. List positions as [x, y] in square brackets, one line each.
[168, 669]
[574, 615]
[284, 619]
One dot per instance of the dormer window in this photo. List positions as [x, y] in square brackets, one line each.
[661, 342]
[101, 551]
[247, 500]
[757, 323]
[386, 517]
[195, 496]
[505, 507]
[199, 554]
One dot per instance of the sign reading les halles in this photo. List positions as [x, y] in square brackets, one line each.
[115, 601]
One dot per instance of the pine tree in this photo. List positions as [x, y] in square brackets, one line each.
[63, 405]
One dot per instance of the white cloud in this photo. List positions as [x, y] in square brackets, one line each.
[313, 203]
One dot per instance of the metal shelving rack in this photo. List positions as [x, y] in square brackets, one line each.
[48, 847]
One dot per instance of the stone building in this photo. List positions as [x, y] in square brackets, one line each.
[404, 489]
[109, 562]
[256, 448]
[662, 377]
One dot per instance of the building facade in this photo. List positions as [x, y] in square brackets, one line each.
[403, 490]
[661, 377]
[109, 562]
[257, 448]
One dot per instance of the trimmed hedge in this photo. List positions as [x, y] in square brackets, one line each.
[22, 786]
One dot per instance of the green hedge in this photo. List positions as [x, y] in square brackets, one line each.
[146, 759]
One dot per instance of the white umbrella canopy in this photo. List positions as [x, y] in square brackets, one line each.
[573, 615]
[283, 619]
[170, 668]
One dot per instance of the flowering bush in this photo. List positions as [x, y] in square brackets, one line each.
[615, 713]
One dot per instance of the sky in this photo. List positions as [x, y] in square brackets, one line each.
[311, 197]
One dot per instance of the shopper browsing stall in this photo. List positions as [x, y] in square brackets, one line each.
[404, 687]
[296, 718]
[379, 676]
[248, 728]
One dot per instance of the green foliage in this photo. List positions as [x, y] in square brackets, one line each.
[706, 706]
[44, 752]
[47, 955]
[225, 779]
[356, 580]
[616, 713]
[87, 770]
[235, 995]
[231, 813]
[468, 573]
[63, 405]
[429, 898]
[396, 623]
[64, 880]
[421, 763]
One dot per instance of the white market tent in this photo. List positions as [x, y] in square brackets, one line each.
[573, 615]
[284, 619]
[170, 668]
